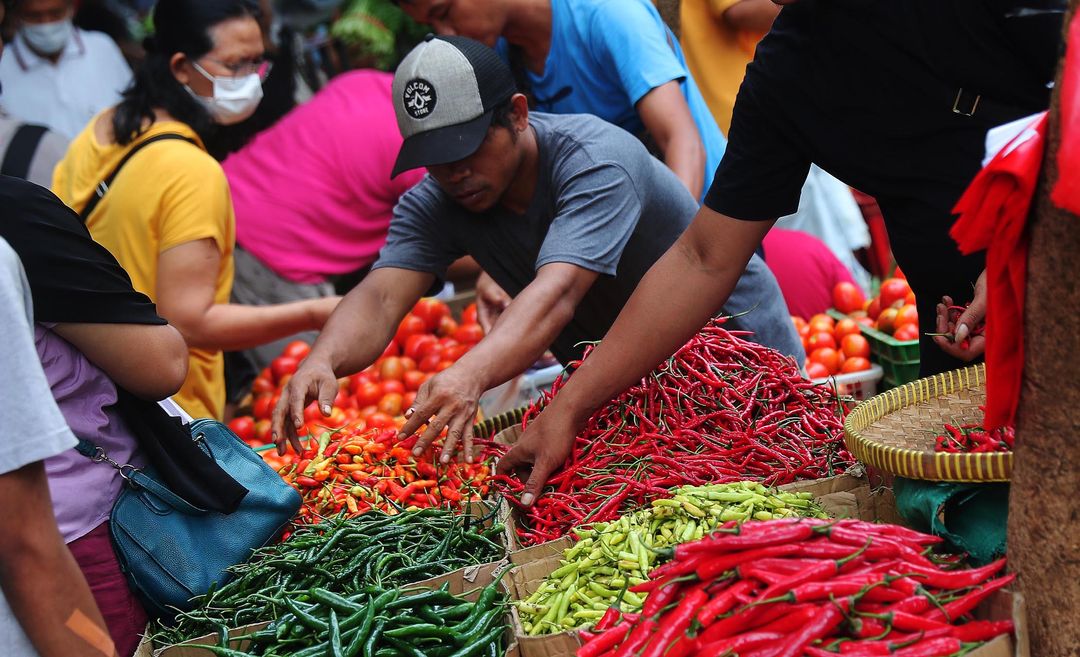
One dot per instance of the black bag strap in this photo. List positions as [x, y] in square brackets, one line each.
[103, 186]
[20, 152]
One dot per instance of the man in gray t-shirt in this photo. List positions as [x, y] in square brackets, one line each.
[601, 202]
[566, 213]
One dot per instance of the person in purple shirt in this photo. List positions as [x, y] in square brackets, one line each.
[93, 333]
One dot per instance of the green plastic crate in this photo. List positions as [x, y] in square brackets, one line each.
[899, 358]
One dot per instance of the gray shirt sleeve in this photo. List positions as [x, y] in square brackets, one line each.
[419, 238]
[26, 402]
[49, 152]
[597, 210]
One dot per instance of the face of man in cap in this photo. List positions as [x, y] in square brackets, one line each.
[480, 181]
[482, 20]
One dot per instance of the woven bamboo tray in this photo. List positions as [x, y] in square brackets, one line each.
[493, 425]
[895, 431]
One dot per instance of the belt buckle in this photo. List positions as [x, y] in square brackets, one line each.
[969, 111]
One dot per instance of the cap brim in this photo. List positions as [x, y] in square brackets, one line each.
[442, 145]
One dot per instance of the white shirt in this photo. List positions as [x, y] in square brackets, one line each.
[87, 78]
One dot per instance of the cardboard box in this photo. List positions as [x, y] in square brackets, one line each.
[842, 496]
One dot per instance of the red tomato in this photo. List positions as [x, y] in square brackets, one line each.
[380, 420]
[312, 413]
[418, 346]
[392, 387]
[823, 339]
[468, 316]
[447, 326]
[800, 324]
[391, 369]
[391, 404]
[392, 349]
[855, 346]
[910, 298]
[413, 380]
[343, 399]
[816, 371]
[262, 431]
[469, 333]
[846, 326]
[297, 349]
[283, 365]
[847, 297]
[407, 364]
[865, 321]
[454, 353]
[367, 411]
[907, 314]
[337, 419]
[431, 311]
[828, 357]
[262, 408]
[886, 321]
[368, 394]
[893, 290]
[907, 332]
[443, 364]
[855, 364]
[430, 362]
[873, 309]
[899, 274]
[410, 325]
[243, 427]
[263, 385]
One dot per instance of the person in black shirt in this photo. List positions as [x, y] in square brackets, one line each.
[893, 98]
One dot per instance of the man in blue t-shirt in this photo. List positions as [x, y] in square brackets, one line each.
[615, 59]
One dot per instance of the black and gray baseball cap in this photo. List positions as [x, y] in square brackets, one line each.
[444, 93]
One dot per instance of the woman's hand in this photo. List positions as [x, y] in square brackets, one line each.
[963, 344]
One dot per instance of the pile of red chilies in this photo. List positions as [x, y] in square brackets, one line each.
[974, 439]
[793, 587]
[720, 410]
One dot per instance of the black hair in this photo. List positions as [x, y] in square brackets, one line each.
[501, 115]
[180, 26]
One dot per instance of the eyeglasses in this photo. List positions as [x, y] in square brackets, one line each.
[260, 67]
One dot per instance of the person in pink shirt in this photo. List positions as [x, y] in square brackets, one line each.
[806, 270]
[313, 195]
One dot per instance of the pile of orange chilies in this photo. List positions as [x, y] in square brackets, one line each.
[353, 470]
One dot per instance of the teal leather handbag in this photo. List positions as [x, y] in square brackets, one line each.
[172, 551]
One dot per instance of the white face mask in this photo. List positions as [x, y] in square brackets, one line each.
[234, 100]
[47, 38]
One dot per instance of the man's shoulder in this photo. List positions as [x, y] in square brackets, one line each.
[586, 139]
[99, 44]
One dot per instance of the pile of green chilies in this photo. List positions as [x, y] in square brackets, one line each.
[378, 622]
[342, 556]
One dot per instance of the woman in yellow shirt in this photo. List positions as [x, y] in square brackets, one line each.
[167, 215]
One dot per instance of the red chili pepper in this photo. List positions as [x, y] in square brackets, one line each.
[638, 636]
[722, 603]
[830, 617]
[676, 623]
[741, 643]
[941, 647]
[605, 640]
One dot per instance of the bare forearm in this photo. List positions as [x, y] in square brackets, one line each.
[685, 156]
[524, 331]
[40, 579]
[752, 15]
[358, 331]
[232, 327]
[46, 591]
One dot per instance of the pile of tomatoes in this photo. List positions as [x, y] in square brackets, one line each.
[428, 340]
[355, 469]
[892, 311]
[832, 347]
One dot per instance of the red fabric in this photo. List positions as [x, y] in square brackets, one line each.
[1066, 192]
[993, 213]
[879, 254]
[123, 613]
[806, 270]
